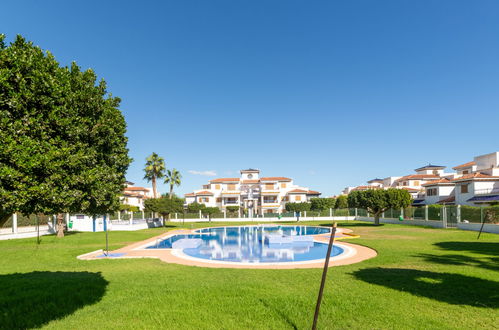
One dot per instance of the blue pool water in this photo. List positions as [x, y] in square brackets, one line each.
[252, 244]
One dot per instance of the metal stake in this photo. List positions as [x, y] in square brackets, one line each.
[324, 274]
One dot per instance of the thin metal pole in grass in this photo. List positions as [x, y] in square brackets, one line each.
[107, 236]
[483, 222]
[38, 229]
[324, 274]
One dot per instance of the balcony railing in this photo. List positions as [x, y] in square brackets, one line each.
[487, 191]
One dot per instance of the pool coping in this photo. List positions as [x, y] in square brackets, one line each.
[354, 253]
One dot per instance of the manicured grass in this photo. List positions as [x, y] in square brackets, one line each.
[422, 279]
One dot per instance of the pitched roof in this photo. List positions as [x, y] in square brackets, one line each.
[313, 192]
[204, 193]
[190, 195]
[297, 191]
[418, 177]
[410, 189]
[136, 189]
[225, 180]
[465, 165]
[250, 181]
[275, 178]
[437, 182]
[429, 166]
[450, 199]
[476, 176]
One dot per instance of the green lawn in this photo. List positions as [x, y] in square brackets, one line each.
[422, 278]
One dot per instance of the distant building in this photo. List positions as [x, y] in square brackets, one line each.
[135, 196]
[262, 194]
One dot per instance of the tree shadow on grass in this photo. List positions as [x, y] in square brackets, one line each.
[462, 260]
[30, 300]
[487, 248]
[450, 288]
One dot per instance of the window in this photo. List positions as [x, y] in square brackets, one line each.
[200, 200]
[231, 200]
[217, 186]
[231, 187]
[416, 183]
[431, 192]
[285, 198]
[283, 185]
[297, 198]
[219, 200]
[465, 172]
[269, 199]
[204, 199]
[464, 189]
[269, 186]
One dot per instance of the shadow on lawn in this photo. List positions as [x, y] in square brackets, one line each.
[462, 260]
[450, 288]
[30, 300]
[487, 248]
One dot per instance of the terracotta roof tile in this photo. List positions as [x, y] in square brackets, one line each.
[297, 191]
[136, 189]
[204, 193]
[468, 164]
[476, 176]
[275, 178]
[313, 192]
[250, 181]
[190, 195]
[418, 177]
[437, 182]
[225, 180]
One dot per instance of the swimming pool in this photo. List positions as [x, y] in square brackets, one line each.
[251, 244]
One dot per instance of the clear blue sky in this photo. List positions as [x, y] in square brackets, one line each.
[330, 93]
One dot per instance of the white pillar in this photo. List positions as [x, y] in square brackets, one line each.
[458, 213]
[143, 215]
[402, 212]
[119, 215]
[176, 215]
[131, 219]
[304, 214]
[225, 213]
[200, 214]
[357, 213]
[426, 212]
[330, 212]
[14, 223]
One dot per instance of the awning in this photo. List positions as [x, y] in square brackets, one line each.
[418, 201]
[489, 198]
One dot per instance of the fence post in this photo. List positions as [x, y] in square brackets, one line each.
[200, 215]
[119, 215]
[14, 223]
[225, 214]
[426, 212]
[304, 214]
[356, 213]
[131, 219]
[444, 217]
[143, 215]
[330, 212]
[458, 215]
[402, 212]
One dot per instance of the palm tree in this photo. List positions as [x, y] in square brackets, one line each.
[173, 178]
[155, 169]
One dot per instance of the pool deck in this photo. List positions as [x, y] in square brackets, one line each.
[357, 253]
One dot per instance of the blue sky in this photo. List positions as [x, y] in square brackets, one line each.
[330, 93]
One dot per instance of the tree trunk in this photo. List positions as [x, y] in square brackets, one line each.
[171, 191]
[154, 187]
[376, 219]
[60, 225]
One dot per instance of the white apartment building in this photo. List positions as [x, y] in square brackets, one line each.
[474, 183]
[135, 196]
[250, 191]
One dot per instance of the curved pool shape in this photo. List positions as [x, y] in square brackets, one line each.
[252, 244]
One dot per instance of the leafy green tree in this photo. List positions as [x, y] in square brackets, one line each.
[129, 208]
[232, 209]
[173, 178]
[151, 205]
[195, 207]
[167, 206]
[322, 204]
[341, 202]
[63, 147]
[377, 201]
[298, 207]
[209, 211]
[154, 169]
